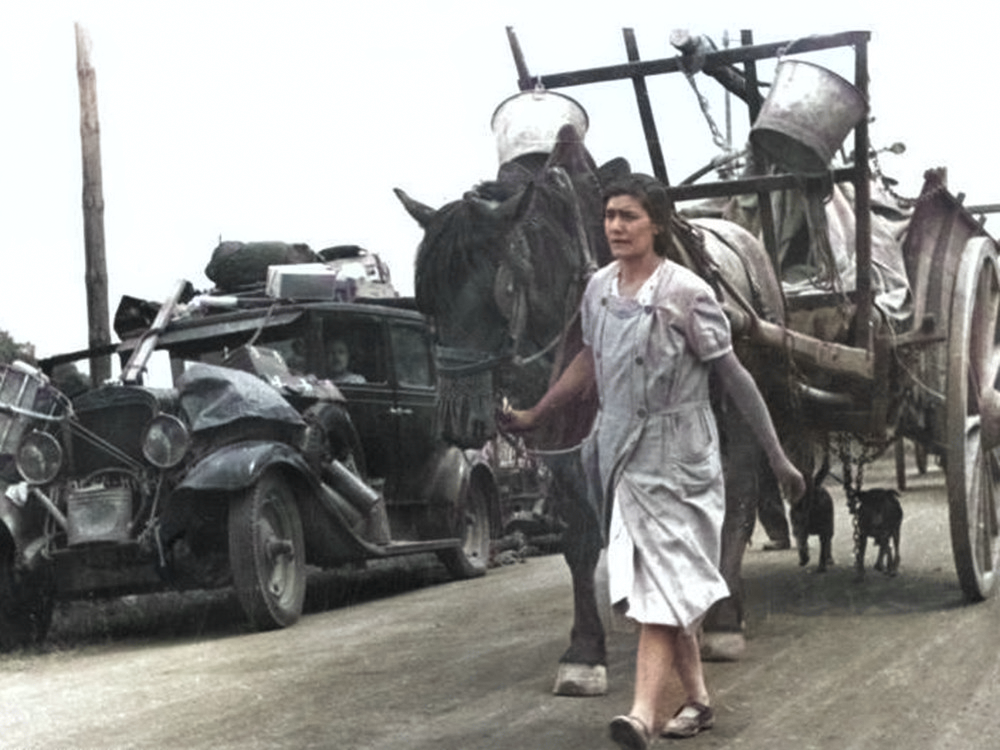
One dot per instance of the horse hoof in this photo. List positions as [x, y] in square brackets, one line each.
[722, 646]
[581, 680]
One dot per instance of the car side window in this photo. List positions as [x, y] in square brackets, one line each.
[412, 356]
[353, 350]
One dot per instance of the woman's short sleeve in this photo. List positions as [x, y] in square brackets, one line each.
[708, 332]
[588, 312]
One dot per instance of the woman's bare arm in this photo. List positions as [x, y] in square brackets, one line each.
[743, 392]
[575, 382]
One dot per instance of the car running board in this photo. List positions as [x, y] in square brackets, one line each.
[393, 549]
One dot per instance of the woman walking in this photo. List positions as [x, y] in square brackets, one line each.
[653, 333]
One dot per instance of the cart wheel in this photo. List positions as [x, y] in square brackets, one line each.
[972, 467]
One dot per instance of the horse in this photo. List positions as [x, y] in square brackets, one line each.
[500, 273]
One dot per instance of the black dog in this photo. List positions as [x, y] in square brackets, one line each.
[813, 514]
[878, 515]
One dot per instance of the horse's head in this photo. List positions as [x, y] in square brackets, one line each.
[500, 273]
[464, 243]
[456, 271]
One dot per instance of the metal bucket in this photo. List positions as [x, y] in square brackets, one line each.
[806, 116]
[529, 122]
[98, 514]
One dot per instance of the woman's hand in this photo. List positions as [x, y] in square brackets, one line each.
[515, 420]
[790, 479]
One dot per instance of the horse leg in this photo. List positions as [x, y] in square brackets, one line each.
[722, 636]
[583, 667]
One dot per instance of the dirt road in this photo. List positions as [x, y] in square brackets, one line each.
[889, 663]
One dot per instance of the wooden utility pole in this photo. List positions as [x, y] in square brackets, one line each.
[96, 274]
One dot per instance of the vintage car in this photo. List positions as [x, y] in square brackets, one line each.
[239, 469]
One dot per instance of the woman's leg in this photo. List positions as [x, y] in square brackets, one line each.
[696, 714]
[656, 658]
[687, 662]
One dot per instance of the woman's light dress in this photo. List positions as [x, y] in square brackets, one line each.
[656, 441]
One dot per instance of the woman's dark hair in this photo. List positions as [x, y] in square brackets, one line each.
[652, 196]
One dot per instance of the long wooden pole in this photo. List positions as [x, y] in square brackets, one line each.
[96, 273]
[646, 111]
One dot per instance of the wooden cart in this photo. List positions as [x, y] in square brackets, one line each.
[931, 378]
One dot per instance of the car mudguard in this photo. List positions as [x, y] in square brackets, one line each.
[238, 465]
[450, 474]
[446, 477]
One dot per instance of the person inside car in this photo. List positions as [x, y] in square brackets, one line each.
[340, 363]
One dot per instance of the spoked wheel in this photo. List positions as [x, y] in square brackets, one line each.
[267, 553]
[972, 406]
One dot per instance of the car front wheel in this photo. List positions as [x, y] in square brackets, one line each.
[267, 553]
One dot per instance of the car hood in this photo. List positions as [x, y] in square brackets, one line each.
[213, 396]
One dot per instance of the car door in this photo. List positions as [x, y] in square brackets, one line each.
[416, 398]
[370, 393]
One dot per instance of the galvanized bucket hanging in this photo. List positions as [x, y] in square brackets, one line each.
[806, 116]
[529, 122]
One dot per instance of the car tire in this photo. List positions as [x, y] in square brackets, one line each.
[267, 553]
[472, 525]
[26, 605]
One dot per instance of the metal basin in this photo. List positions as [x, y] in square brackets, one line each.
[806, 116]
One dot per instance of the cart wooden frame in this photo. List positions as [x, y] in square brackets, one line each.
[934, 380]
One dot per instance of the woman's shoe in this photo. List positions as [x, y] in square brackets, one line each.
[690, 719]
[630, 732]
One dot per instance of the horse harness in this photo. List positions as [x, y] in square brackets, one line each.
[510, 289]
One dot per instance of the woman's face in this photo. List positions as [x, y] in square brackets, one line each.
[629, 228]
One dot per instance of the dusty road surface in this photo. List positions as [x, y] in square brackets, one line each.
[889, 663]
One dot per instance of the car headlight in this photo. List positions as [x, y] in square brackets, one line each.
[166, 441]
[39, 457]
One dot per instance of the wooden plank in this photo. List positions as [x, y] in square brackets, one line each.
[644, 68]
[524, 81]
[862, 209]
[646, 112]
[750, 185]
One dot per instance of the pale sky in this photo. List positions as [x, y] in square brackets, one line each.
[294, 121]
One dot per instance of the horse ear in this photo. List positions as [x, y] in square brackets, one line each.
[422, 213]
[616, 169]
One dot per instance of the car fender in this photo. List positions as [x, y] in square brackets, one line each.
[482, 473]
[446, 477]
[238, 465]
[452, 472]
